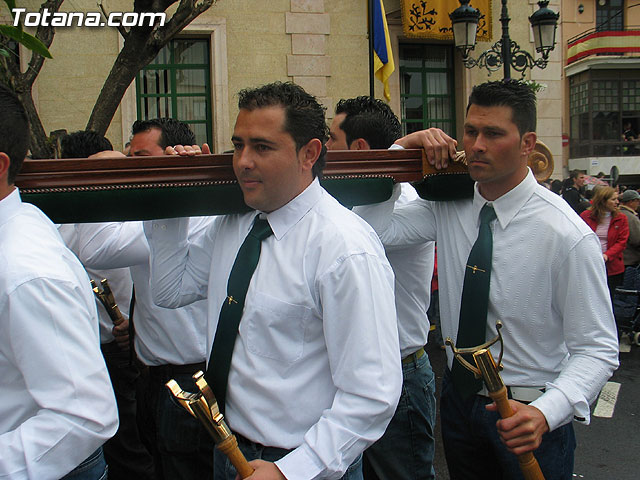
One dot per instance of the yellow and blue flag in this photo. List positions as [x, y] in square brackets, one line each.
[383, 65]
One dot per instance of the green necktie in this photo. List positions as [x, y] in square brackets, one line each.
[231, 312]
[475, 301]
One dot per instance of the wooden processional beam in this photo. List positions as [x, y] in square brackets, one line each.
[141, 188]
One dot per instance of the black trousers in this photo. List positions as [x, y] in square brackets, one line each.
[125, 453]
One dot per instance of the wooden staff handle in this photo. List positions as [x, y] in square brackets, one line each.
[229, 446]
[528, 463]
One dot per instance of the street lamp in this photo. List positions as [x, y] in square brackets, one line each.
[464, 21]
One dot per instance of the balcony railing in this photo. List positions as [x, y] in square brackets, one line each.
[595, 42]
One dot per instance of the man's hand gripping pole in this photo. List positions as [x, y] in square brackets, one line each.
[487, 369]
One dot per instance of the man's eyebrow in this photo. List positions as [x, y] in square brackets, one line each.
[491, 128]
[253, 140]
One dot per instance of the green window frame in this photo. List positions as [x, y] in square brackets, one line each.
[427, 87]
[177, 84]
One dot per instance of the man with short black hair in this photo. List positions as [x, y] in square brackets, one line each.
[312, 375]
[407, 448]
[363, 117]
[155, 135]
[560, 343]
[571, 192]
[169, 342]
[57, 405]
[83, 143]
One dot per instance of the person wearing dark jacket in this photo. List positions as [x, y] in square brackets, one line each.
[629, 202]
[571, 191]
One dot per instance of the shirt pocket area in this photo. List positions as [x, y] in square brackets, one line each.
[276, 329]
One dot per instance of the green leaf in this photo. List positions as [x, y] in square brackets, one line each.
[11, 32]
[29, 41]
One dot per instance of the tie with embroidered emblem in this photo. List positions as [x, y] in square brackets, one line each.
[475, 301]
[243, 268]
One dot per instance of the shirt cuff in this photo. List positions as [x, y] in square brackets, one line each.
[301, 463]
[395, 146]
[557, 408]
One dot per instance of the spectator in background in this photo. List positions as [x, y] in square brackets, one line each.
[612, 229]
[556, 187]
[629, 202]
[571, 191]
[628, 135]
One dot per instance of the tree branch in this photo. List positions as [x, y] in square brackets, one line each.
[45, 35]
[123, 31]
[186, 12]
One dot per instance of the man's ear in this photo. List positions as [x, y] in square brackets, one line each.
[529, 140]
[309, 154]
[5, 162]
[359, 144]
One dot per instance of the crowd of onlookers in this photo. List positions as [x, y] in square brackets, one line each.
[612, 213]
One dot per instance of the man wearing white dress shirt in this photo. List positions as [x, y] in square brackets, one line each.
[57, 406]
[125, 452]
[547, 287]
[315, 373]
[170, 342]
[407, 448]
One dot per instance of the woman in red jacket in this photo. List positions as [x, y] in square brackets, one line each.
[612, 229]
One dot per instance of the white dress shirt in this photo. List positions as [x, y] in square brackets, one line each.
[548, 288]
[119, 281]
[413, 268]
[316, 364]
[57, 405]
[163, 335]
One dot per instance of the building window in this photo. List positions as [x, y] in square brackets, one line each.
[427, 87]
[609, 15]
[605, 113]
[177, 84]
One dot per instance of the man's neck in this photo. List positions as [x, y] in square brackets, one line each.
[5, 190]
[491, 191]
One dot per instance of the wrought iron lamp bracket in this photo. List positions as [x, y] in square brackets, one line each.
[492, 59]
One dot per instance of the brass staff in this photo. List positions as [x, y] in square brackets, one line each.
[498, 393]
[105, 295]
[204, 406]
[487, 369]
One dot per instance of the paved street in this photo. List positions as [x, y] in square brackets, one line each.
[609, 448]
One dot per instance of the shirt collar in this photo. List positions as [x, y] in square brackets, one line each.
[9, 205]
[284, 218]
[628, 209]
[508, 204]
